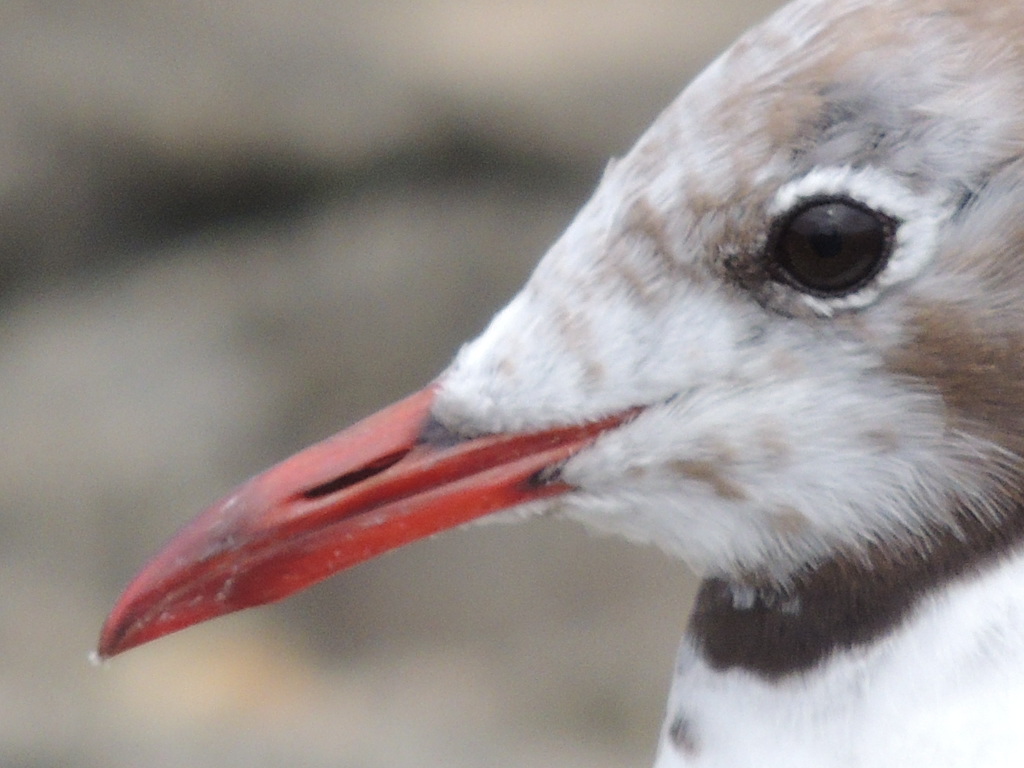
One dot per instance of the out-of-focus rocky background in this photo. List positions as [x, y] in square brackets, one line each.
[228, 229]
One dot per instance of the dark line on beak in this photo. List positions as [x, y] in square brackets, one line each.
[355, 477]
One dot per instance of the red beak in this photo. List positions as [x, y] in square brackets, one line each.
[382, 483]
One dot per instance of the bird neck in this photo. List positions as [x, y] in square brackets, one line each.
[942, 689]
[848, 601]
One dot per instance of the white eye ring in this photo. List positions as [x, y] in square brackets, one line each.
[919, 216]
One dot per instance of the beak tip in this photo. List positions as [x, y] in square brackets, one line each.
[132, 622]
[375, 487]
[114, 639]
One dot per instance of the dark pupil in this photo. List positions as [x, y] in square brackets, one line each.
[833, 246]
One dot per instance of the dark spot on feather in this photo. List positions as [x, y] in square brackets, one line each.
[711, 473]
[788, 521]
[681, 734]
[883, 440]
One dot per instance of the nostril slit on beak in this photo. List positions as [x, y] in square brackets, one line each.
[352, 478]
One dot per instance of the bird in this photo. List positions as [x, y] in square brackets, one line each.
[783, 342]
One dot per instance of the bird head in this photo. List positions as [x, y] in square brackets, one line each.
[787, 326]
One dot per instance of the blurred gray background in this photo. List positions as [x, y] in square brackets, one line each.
[228, 229]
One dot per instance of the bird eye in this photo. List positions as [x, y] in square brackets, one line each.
[831, 246]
